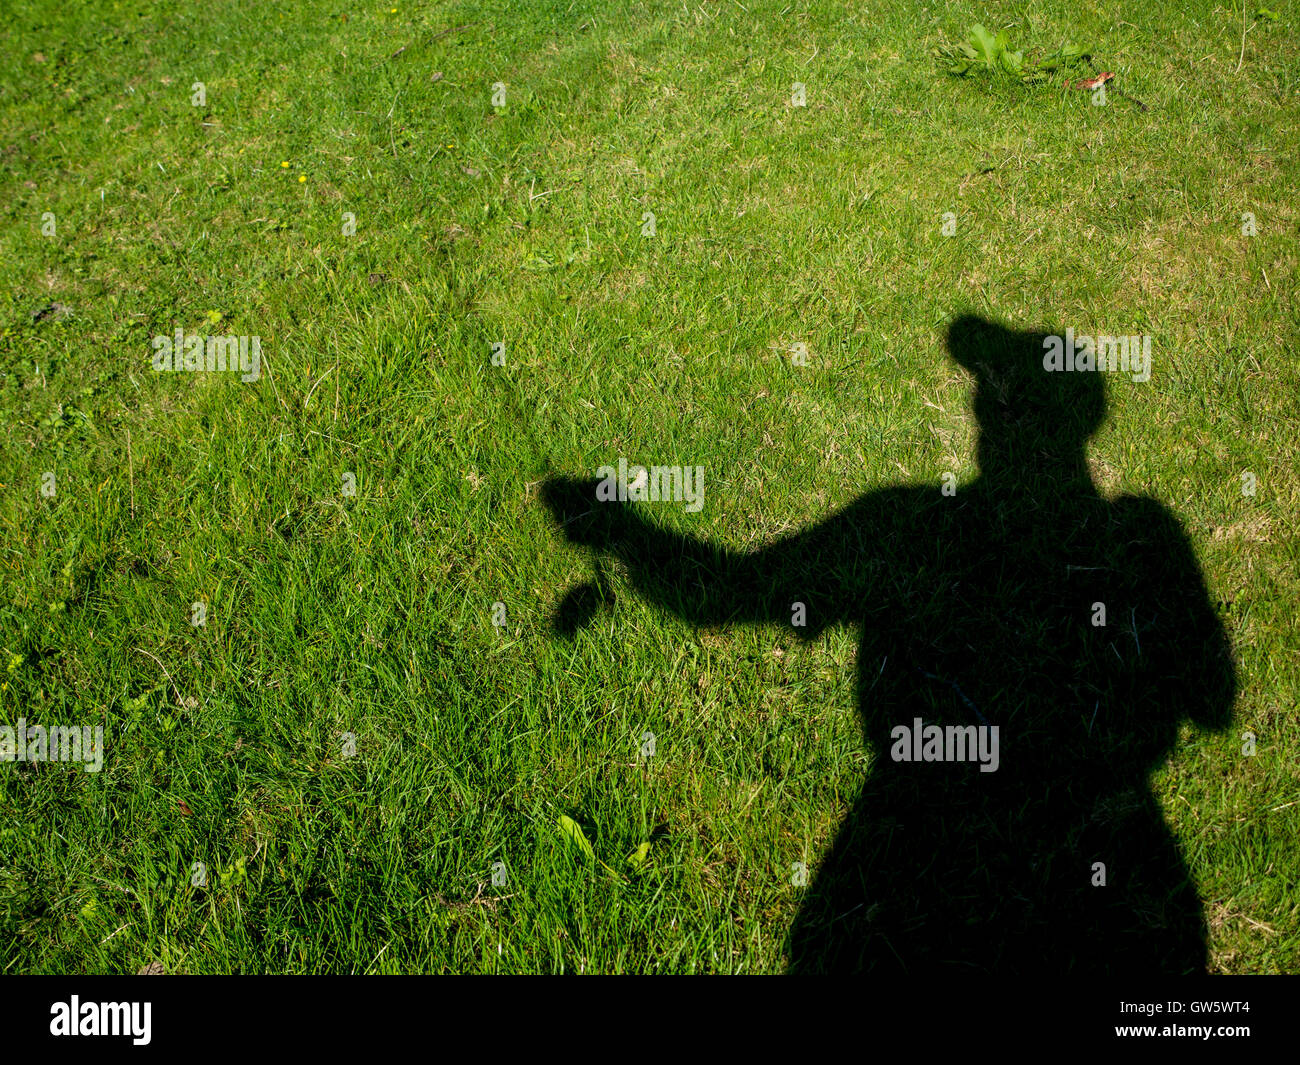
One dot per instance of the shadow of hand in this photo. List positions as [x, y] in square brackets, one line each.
[581, 517]
[583, 520]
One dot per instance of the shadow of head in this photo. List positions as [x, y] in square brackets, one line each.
[1026, 413]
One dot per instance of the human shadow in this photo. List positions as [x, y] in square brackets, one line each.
[1077, 625]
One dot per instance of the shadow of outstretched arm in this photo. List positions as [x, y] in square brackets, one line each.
[700, 582]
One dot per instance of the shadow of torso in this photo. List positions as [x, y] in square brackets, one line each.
[983, 608]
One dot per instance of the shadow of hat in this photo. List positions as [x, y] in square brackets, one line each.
[1013, 389]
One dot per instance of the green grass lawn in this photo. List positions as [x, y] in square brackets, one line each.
[333, 615]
